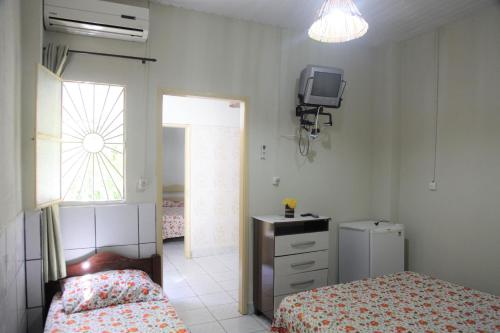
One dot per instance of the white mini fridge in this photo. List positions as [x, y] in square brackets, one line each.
[369, 249]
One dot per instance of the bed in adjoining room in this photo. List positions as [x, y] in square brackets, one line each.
[111, 293]
[400, 302]
[173, 212]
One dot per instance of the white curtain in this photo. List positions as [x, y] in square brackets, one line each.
[55, 57]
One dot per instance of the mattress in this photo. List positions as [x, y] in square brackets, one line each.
[401, 302]
[158, 316]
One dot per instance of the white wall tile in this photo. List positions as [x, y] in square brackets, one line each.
[33, 235]
[131, 251]
[77, 227]
[10, 238]
[147, 223]
[21, 298]
[10, 307]
[147, 250]
[34, 283]
[19, 240]
[117, 225]
[35, 320]
[78, 254]
[3, 262]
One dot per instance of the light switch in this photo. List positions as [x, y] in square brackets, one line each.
[433, 185]
[276, 181]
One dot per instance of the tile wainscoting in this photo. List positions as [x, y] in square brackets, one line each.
[127, 229]
[12, 276]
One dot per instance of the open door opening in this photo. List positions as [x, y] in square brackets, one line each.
[203, 199]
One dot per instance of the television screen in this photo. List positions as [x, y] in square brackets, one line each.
[326, 84]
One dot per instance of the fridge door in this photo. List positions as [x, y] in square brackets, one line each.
[353, 254]
[386, 252]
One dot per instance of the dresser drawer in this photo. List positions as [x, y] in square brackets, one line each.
[289, 284]
[292, 244]
[299, 263]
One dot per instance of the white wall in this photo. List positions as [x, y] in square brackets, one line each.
[12, 287]
[173, 156]
[335, 180]
[454, 232]
[385, 123]
[214, 148]
[201, 53]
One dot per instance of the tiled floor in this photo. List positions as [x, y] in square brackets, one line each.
[205, 292]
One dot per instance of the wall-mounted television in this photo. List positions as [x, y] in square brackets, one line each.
[321, 86]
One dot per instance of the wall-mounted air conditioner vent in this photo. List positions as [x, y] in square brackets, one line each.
[119, 19]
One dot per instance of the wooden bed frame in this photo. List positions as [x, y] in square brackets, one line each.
[100, 262]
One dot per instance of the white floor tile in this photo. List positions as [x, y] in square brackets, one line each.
[196, 316]
[230, 284]
[214, 327]
[226, 311]
[263, 321]
[216, 299]
[208, 286]
[224, 276]
[189, 303]
[244, 324]
[235, 294]
[179, 293]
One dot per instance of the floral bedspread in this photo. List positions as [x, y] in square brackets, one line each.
[153, 316]
[172, 222]
[401, 302]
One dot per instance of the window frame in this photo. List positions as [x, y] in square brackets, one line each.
[99, 202]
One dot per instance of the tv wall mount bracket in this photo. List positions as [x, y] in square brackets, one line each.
[308, 117]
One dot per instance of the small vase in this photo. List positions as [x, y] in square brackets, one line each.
[289, 212]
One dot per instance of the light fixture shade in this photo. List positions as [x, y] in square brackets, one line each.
[338, 21]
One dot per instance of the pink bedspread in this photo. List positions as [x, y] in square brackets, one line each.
[401, 302]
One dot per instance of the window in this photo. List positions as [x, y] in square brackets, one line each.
[92, 157]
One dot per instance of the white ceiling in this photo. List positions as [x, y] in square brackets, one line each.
[389, 20]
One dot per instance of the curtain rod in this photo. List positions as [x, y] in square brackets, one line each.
[143, 60]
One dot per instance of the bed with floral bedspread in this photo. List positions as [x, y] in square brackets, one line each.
[401, 302]
[151, 316]
[173, 218]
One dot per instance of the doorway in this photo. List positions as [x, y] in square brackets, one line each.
[205, 138]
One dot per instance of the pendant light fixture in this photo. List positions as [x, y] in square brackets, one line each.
[338, 21]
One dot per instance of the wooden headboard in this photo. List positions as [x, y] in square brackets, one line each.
[105, 261]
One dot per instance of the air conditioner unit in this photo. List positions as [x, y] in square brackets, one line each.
[119, 19]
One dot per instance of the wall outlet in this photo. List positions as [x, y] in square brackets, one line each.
[276, 181]
[433, 186]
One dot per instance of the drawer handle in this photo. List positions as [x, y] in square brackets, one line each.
[311, 243]
[305, 263]
[296, 284]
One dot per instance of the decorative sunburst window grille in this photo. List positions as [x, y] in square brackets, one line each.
[92, 142]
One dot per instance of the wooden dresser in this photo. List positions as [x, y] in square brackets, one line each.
[290, 255]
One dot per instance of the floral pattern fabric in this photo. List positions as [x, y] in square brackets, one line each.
[401, 302]
[173, 222]
[173, 203]
[99, 290]
[153, 316]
